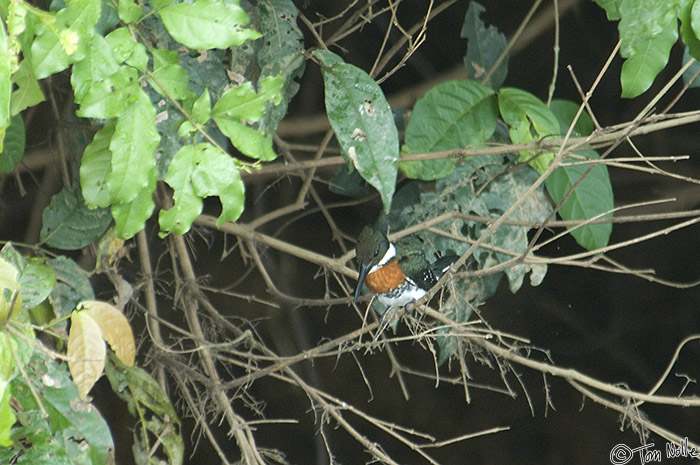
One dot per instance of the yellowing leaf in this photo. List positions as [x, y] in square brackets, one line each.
[9, 291]
[114, 327]
[86, 352]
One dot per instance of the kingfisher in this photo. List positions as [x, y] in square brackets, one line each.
[397, 277]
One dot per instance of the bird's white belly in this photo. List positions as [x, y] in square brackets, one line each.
[410, 294]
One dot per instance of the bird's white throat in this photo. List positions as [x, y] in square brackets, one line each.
[388, 256]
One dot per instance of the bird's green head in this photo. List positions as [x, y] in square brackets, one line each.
[371, 247]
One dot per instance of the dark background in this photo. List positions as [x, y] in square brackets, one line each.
[617, 328]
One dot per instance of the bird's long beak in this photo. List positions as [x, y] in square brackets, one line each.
[364, 269]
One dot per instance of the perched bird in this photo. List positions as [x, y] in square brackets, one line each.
[397, 276]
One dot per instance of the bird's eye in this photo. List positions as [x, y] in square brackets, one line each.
[376, 252]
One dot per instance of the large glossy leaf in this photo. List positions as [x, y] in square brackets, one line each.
[208, 24]
[484, 47]
[133, 145]
[363, 123]
[451, 115]
[129, 11]
[243, 103]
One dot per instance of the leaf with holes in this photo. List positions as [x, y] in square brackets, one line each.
[363, 123]
[485, 45]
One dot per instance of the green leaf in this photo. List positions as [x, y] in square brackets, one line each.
[10, 291]
[68, 224]
[81, 17]
[126, 49]
[14, 145]
[693, 70]
[240, 104]
[529, 120]
[690, 19]
[648, 29]
[565, 110]
[363, 123]
[591, 198]
[129, 11]
[5, 83]
[611, 7]
[208, 24]
[35, 278]
[27, 92]
[7, 416]
[133, 145]
[47, 55]
[484, 47]
[95, 167]
[201, 109]
[7, 361]
[199, 171]
[246, 139]
[130, 217]
[65, 39]
[243, 103]
[168, 73]
[72, 286]
[694, 9]
[111, 96]
[98, 64]
[451, 115]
